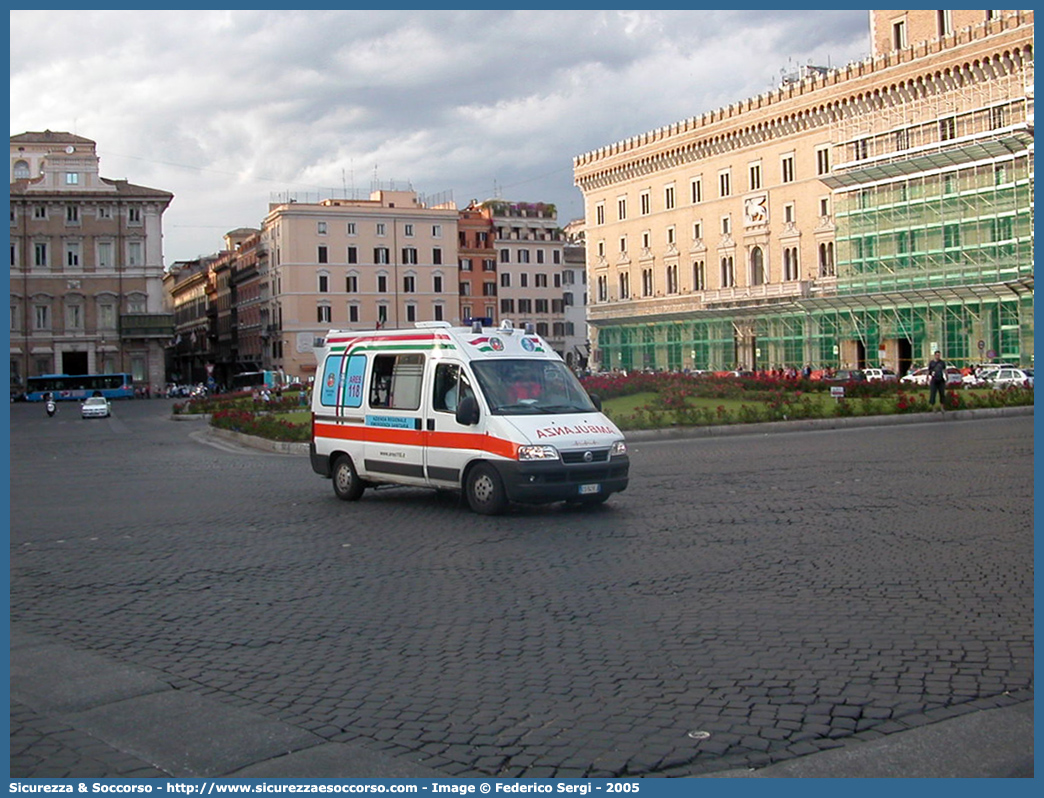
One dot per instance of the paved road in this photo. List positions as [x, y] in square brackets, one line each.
[748, 601]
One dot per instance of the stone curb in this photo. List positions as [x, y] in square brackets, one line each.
[670, 433]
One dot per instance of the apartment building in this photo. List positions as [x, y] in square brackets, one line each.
[853, 217]
[477, 259]
[86, 265]
[529, 262]
[385, 262]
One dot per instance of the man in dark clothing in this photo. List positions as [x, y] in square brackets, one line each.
[937, 381]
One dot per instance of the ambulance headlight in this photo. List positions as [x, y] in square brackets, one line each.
[619, 448]
[537, 453]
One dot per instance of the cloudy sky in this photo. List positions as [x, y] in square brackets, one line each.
[227, 109]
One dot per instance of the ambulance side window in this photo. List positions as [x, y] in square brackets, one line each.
[331, 380]
[451, 385]
[354, 375]
[396, 381]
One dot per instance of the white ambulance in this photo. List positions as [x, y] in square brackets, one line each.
[491, 412]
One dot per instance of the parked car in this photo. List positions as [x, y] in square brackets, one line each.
[846, 375]
[95, 407]
[1012, 378]
[982, 374]
[915, 377]
[880, 375]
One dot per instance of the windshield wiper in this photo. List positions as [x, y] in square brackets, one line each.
[564, 409]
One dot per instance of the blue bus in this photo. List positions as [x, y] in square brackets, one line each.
[77, 387]
[248, 380]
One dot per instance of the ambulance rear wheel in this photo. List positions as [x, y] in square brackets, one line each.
[485, 490]
[346, 482]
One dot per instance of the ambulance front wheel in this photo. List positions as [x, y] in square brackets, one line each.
[346, 482]
[485, 490]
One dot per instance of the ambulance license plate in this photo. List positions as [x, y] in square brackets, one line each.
[585, 489]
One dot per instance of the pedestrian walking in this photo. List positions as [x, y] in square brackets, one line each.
[937, 381]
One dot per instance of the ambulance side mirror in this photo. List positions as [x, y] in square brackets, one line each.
[596, 400]
[468, 411]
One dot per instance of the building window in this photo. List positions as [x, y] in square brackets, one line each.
[697, 231]
[824, 206]
[625, 285]
[945, 22]
[947, 128]
[382, 229]
[643, 203]
[350, 228]
[523, 256]
[757, 266]
[407, 230]
[671, 233]
[507, 306]
[899, 34]
[540, 256]
[40, 254]
[600, 213]
[465, 264]
[351, 284]
[823, 160]
[106, 316]
[646, 241]
[41, 317]
[21, 170]
[726, 226]
[540, 306]
[320, 228]
[786, 168]
[489, 265]
[74, 316]
[647, 282]
[382, 314]
[540, 280]
[505, 280]
[668, 197]
[998, 117]
[672, 279]
[324, 283]
[382, 284]
[436, 231]
[696, 190]
[72, 254]
[621, 208]
[381, 255]
[623, 244]
[323, 314]
[409, 284]
[790, 263]
[39, 211]
[436, 256]
[788, 213]
[353, 313]
[699, 276]
[860, 149]
[523, 280]
[134, 215]
[603, 288]
[505, 256]
[724, 183]
[72, 179]
[411, 312]
[353, 254]
[728, 272]
[465, 289]
[754, 177]
[104, 256]
[600, 247]
[409, 256]
[134, 254]
[826, 259]
[437, 310]
[525, 306]
[321, 254]
[436, 283]
[72, 214]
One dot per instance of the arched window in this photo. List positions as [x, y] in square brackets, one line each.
[21, 170]
[757, 266]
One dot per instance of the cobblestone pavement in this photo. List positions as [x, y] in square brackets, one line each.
[748, 600]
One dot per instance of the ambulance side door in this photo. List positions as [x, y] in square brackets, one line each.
[449, 445]
[394, 450]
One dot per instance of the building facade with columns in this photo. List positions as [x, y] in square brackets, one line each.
[86, 265]
[853, 217]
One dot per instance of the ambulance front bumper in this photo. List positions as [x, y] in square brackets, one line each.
[543, 482]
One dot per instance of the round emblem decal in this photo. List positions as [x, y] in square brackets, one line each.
[588, 457]
[330, 381]
[528, 345]
[496, 344]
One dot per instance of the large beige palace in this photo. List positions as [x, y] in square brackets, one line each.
[854, 217]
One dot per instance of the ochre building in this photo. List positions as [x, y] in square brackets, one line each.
[854, 217]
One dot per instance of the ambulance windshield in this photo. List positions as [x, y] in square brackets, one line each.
[531, 387]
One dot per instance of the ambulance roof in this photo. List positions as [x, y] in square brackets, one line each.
[469, 343]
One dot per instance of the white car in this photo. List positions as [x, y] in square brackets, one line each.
[880, 375]
[1011, 378]
[916, 377]
[95, 407]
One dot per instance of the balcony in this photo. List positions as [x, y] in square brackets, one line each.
[147, 325]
